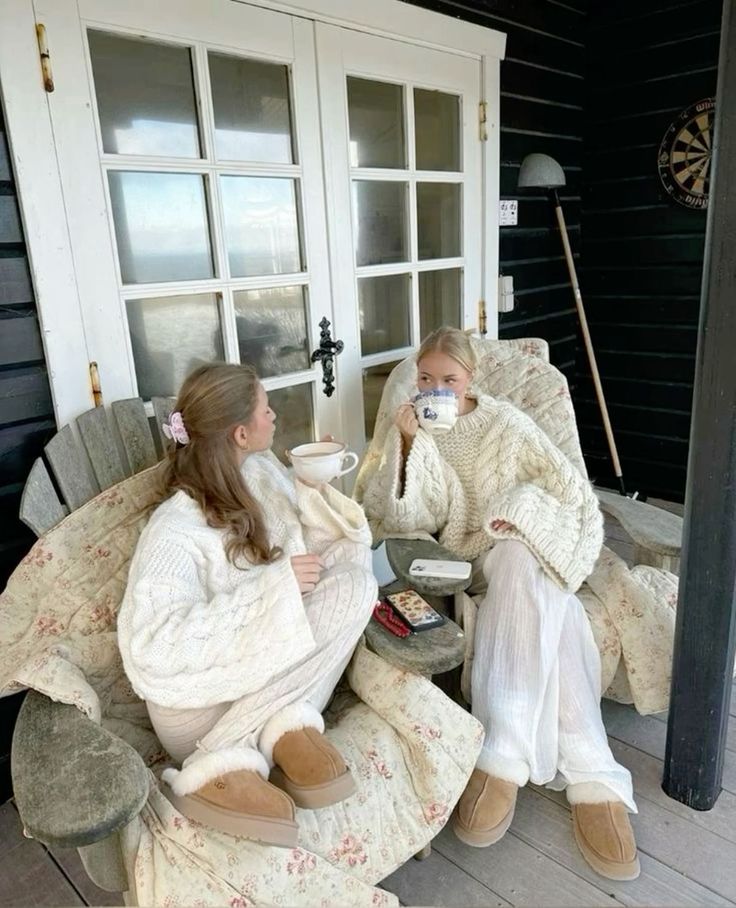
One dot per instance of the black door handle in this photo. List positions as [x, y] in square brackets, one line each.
[326, 353]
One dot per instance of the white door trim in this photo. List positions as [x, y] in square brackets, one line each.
[41, 202]
[408, 23]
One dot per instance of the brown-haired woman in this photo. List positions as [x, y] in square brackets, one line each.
[498, 493]
[246, 596]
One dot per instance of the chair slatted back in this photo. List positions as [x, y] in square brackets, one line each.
[72, 468]
[130, 416]
[40, 507]
[85, 459]
[95, 430]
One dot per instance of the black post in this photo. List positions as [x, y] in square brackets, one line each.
[705, 634]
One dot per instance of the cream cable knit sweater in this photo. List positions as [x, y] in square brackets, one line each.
[495, 464]
[193, 629]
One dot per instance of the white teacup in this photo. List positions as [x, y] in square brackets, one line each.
[321, 461]
[436, 410]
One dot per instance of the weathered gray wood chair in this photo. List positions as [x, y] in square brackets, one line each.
[94, 783]
[109, 783]
[83, 470]
[519, 371]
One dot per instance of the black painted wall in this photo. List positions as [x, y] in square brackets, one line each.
[542, 97]
[26, 414]
[596, 85]
[642, 253]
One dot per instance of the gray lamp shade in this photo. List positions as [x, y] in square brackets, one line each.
[540, 171]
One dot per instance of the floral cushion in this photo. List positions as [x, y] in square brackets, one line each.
[411, 749]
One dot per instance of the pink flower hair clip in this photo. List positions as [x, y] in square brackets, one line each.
[175, 428]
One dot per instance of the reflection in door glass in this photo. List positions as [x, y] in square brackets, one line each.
[250, 100]
[374, 378]
[294, 411]
[438, 220]
[272, 329]
[261, 225]
[145, 96]
[376, 114]
[170, 337]
[380, 222]
[385, 305]
[440, 293]
[161, 226]
[437, 130]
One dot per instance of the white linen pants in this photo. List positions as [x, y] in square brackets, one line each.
[536, 683]
[242, 734]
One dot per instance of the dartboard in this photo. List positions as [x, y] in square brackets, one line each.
[685, 153]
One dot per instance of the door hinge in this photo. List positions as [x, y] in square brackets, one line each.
[43, 49]
[482, 120]
[482, 323]
[94, 378]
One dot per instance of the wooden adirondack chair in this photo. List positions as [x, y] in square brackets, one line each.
[76, 783]
[519, 371]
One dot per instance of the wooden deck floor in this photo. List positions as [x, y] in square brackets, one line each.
[687, 857]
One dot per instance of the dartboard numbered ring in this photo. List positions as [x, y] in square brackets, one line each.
[684, 158]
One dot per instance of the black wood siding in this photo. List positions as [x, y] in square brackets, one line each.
[26, 414]
[542, 98]
[642, 253]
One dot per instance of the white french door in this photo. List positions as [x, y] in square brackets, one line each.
[403, 156]
[233, 175]
[191, 165]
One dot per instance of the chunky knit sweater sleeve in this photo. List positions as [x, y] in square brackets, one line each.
[186, 645]
[425, 502]
[327, 516]
[551, 506]
[514, 473]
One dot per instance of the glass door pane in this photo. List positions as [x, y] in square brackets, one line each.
[215, 192]
[403, 122]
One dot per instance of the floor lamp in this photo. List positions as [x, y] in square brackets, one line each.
[540, 171]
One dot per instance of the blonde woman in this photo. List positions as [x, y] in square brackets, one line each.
[497, 492]
[246, 596]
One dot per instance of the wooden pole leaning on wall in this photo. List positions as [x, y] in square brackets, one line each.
[588, 341]
[705, 632]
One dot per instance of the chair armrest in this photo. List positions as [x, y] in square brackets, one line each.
[75, 783]
[649, 527]
[401, 553]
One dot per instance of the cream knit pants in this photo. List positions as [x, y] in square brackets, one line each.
[242, 734]
[536, 683]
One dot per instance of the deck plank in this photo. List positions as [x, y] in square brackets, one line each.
[648, 734]
[437, 881]
[546, 824]
[71, 865]
[730, 731]
[646, 772]
[29, 876]
[521, 873]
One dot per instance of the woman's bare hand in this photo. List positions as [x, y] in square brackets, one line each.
[501, 525]
[307, 569]
[406, 422]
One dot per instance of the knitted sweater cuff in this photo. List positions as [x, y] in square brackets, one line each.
[567, 548]
[334, 515]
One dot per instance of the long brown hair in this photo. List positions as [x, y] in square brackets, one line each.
[452, 341]
[213, 400]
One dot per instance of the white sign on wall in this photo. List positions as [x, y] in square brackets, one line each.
[508, 211]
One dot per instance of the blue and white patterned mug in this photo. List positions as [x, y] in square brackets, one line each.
[436, 410]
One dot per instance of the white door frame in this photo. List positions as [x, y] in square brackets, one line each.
[40, 191]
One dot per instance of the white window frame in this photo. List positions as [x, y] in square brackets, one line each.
[40, 195]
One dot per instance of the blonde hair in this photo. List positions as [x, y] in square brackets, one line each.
[213, 400]
[452, 341]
